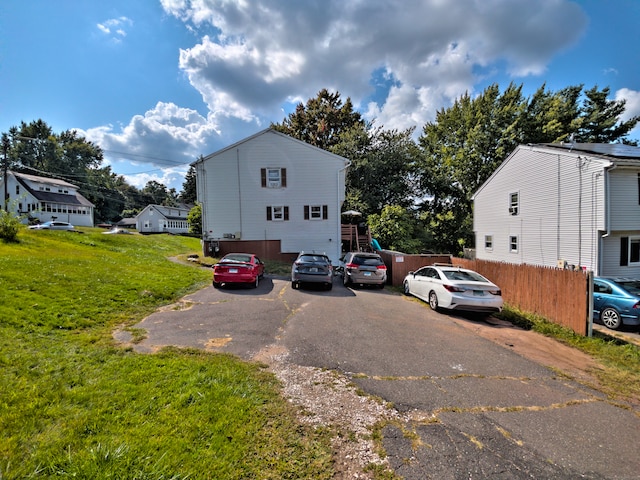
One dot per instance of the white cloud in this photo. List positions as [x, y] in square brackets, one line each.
[114, 28]
[256, 55]
[632, 108]
[159, 144]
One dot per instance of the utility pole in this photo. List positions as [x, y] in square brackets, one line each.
[5, 168]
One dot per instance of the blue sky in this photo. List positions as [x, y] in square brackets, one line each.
[157, 83]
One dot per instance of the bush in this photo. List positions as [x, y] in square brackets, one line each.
[9, 226]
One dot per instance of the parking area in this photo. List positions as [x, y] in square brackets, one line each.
[472, 405]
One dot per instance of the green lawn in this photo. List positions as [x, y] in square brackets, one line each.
[74, 404]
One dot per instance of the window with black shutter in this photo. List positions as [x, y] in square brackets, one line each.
[624, 251]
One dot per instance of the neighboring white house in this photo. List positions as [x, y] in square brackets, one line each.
[161, 219]
[272, 188]
[563, 205]
[43, 199]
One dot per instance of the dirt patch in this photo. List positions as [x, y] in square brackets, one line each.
[535, 346]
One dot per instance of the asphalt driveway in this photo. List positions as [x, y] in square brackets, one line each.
[478, 408]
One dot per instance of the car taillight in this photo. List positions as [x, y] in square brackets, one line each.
[382, 267]
[637, 305]
[451, 288]
[495, 292]
[351, 265]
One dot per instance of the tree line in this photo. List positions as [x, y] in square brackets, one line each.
[35, 149]
[414, 192]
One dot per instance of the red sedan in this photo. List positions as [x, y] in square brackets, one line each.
[243, 268]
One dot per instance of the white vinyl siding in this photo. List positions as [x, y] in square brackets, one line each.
[625, 211]
[234, 201]
[560, 208]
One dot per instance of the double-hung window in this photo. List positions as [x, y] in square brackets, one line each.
[514, 203]
[488, 242]
[513, 243]
[629, 251]
[316, 212]
[273, 177]
[277, 213]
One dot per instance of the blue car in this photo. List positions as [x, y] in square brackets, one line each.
[616, 301]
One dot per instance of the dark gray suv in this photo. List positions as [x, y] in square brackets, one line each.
[364, 268]
[311, 267]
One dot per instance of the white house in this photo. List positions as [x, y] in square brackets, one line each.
[563, 205]
[43, 199]
[161, 219]
[272, 194]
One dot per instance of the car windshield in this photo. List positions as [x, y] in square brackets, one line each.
[464, 276]
[631, 286]
[237, 258]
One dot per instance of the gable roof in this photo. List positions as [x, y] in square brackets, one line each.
[271, 130]
[608, 153]
[166, 212]
[74, 198]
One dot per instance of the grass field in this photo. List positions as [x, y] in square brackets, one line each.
[74, 404]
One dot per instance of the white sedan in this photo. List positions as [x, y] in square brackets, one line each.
[52, 225]
[453, 288]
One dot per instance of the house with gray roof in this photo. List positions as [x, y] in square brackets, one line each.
[41, 199]
[161, 219]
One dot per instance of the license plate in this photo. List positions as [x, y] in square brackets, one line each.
[478, 292]
[367, 274]
[233, 270]
[313, 269]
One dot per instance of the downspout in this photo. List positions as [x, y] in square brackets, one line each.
[607, 187]
[339, 206]
[239, 190]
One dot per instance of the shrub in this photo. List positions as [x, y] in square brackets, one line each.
[9, 226]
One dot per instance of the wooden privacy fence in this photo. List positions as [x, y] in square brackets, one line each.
[560, 296]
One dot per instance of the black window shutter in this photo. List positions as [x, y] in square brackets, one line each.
[624, 251]
[263, 177]
[286, 213]
[283, 177]
[325, 212]
[306, 212]
[269, 213]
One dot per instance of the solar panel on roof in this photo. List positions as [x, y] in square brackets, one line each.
[617, 150]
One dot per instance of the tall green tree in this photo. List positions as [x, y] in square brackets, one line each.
[322, 121]
[189, 194]
[382, 169]
[469, 140]
[600, 118]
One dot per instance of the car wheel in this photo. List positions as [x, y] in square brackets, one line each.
[381, 286]
[347, 280]
[255, 284]
[405, 288]
[294, 285]
[611, 318]
[433, 300]
[216, 285]
[329, 286]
